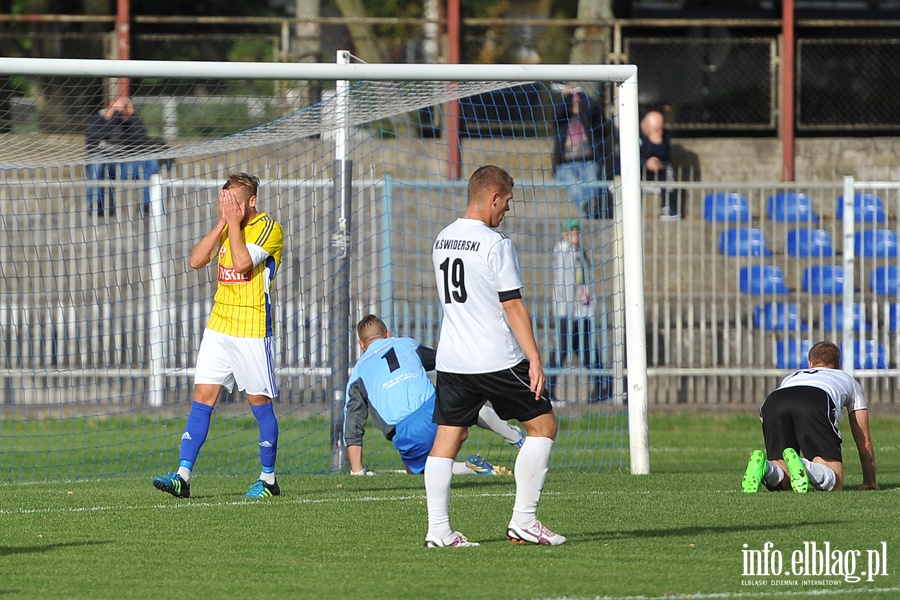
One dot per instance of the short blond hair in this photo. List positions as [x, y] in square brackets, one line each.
[244, 180]
[488, 179]
[369, 328]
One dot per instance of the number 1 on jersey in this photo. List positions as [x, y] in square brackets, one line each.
[391, 358]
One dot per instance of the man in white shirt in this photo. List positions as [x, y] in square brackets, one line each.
[801, 416]
[486, 351]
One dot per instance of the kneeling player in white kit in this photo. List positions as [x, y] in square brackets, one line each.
[801, 417]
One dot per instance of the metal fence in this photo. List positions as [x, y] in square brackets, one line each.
[757, 272]
[846, 84]
[716, 334]
[709, 84]
[113, 311]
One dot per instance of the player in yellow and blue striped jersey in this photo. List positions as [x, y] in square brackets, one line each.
[238, 343]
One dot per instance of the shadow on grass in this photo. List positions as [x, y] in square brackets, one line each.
[12, 550]
[463, 482]
[700, 530]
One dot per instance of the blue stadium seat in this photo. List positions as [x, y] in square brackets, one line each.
[792, 354]
[869, 354]
[762, 279]
[823, 279]
[809, 242]
[894, 316]
[778, 316]
[876, 242]
[885, 280]
[791, 206]
[727, 207]
[743, 241]
[833, 317]
[867, 208]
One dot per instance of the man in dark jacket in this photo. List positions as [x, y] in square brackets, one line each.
[656, 160]
[580, 157]
[112, 133]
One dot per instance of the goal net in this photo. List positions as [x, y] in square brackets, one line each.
[101, 315]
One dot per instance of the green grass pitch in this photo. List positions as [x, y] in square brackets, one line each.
[677, 533]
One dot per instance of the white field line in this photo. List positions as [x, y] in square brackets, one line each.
[188, 504]
[810, 593]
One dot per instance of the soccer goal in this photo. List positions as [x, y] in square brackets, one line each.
[362, 164]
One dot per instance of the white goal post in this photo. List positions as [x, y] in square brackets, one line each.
[630, 336]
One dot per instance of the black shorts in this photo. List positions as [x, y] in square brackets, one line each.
[802, 418]
[461, 395]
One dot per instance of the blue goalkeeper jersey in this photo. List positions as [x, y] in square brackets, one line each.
[389, 382]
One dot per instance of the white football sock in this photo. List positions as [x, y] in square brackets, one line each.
[489, 419]
[438, 472]
[460, 468]
[184, 473]
[267, 477]
[530, 473]
[773, 477]
[820, 476]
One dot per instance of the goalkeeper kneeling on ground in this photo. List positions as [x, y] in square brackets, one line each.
[390, 382]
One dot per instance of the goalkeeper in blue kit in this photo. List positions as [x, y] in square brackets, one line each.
[390, 384]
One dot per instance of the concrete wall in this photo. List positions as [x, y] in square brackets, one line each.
[816, 159]
[727, 160]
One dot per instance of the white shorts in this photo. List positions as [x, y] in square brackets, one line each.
[225, 360]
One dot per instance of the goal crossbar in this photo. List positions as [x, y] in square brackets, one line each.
[319, 71]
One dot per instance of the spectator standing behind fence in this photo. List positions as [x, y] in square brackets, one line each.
[578, 152]
[111, 133]
[656, 160]
[575, 308]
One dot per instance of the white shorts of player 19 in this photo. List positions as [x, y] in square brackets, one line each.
[536, 534]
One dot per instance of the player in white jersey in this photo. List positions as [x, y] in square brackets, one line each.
[486, 351]
[801, 417]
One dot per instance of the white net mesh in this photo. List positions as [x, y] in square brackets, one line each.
[101, 316]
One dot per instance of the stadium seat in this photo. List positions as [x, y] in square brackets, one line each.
[823, 279]
[870, 354]
[728, 207]
[885, 280]
[743, 241]
[833, 317]
[880, 243]
[894, 316]
[867, 208]
[792, 354]
[809, 242]
[778, 316]
[791, 206]
[762, 279]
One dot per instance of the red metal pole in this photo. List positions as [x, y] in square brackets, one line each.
[452, 126]
[123, 41]
[787, 91]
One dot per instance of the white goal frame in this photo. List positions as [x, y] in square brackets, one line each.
[624, 77]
